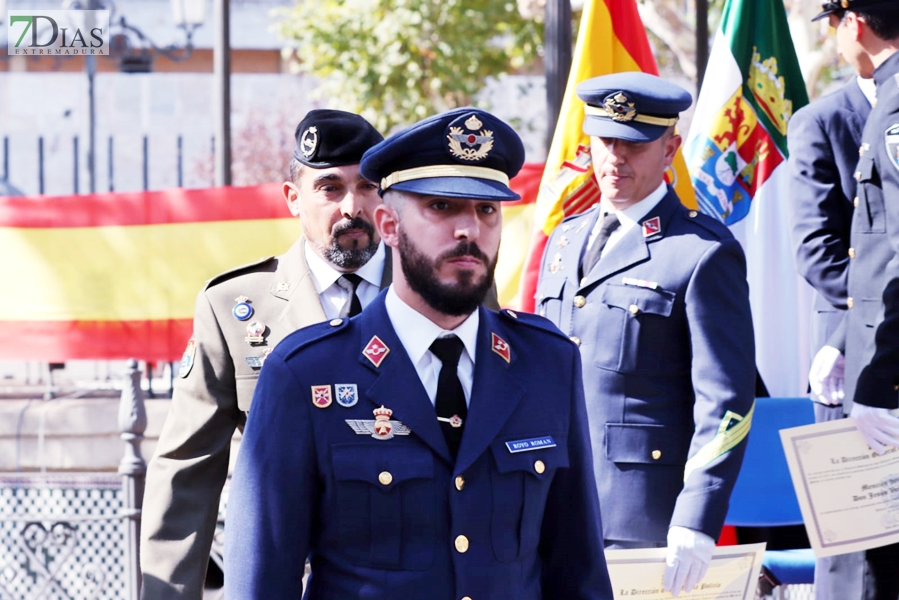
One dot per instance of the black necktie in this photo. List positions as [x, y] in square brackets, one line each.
[352, 306]
[450, 402]
[610, 223]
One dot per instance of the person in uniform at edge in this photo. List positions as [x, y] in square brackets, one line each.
[867, 33]
[656, 297]
[336, 266]
[824, 139]
[426, 449]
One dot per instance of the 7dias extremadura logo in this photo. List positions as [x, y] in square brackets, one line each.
[57, 32]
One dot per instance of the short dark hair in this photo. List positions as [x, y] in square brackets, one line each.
[883, 20]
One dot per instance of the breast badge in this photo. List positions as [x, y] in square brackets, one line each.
[187, 359]
[255, 332]
[891, 137]
[321, 396]
[347, 394]
[382, 428]
[242, 310]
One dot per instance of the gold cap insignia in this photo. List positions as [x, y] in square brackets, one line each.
[471, 145]
[619, 107]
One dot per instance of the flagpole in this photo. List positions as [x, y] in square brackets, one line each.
[702, 41]
[557, 60]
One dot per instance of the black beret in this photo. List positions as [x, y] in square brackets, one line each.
[333, 138]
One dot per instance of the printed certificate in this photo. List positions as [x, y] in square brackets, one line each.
[848, 494]
[732, 575]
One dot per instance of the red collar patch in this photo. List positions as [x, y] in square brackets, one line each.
[501, 347]
[375, 351]
[652, 226]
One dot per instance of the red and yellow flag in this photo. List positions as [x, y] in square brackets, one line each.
[611, 40]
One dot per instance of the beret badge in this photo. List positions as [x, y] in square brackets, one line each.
[309, 141]
[619, 108]
[471, 143]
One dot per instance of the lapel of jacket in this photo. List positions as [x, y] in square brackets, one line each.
[293, 283]
[494, 394]
[633, 248]
[397, 385]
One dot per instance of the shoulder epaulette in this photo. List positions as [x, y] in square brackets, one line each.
[710, 224]
[309, 336]
[241, 270]
[531, 320]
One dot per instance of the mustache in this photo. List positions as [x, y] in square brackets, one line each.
[465, 249]
[354, 223]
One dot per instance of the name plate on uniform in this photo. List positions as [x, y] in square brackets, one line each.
[531, 444]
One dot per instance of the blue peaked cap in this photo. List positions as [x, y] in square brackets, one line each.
[632, 106]
[462, 153]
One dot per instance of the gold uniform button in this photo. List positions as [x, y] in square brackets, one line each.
[693, 214]
[858, 175]
[461, 544]
[851, 252]
[633, 309]
[539, 467]
[385, 478]
[656, 454]
[579, 301]
[335, 322]
[576, 340]
[855, 202]
[896, 388]
[466, 598]
[850, 302]
[460, 483]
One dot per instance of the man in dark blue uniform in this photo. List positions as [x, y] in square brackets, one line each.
[824, 140]
[656, 297]
[428, 448]
[867, 33]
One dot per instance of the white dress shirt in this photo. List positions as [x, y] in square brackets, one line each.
[417, 333]
[325, 277]
[627, 218]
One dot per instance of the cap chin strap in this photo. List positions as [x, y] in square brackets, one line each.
[596, 111]
[436, 171]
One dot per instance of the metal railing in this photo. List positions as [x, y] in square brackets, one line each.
[76, 537]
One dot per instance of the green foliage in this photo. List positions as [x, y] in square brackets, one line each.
[397, 61]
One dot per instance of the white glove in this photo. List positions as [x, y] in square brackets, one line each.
[826, 375]
[689, 555]
[879, 428]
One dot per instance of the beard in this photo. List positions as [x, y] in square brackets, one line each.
[454, 299]
[355, 256]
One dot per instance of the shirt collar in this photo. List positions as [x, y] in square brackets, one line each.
[417, 332]
[868, 88]
[886, 69]
[631, 215]
[324, 275]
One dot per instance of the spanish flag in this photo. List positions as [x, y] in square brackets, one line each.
[611, 40]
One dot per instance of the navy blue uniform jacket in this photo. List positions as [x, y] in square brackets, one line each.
[871, 332]
[396, 518]
[665, 333]
[824, 140]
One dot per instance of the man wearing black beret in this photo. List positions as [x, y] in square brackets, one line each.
[337, 266]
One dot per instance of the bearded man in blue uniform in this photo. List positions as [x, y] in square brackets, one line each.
[428, 448]
[656, 297]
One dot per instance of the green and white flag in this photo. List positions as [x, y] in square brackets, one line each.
[736, 154]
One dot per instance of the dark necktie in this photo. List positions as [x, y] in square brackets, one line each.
[450, 402]
[352, 306]
[610, 223]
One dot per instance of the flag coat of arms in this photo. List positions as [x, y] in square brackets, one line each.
[736, 154]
